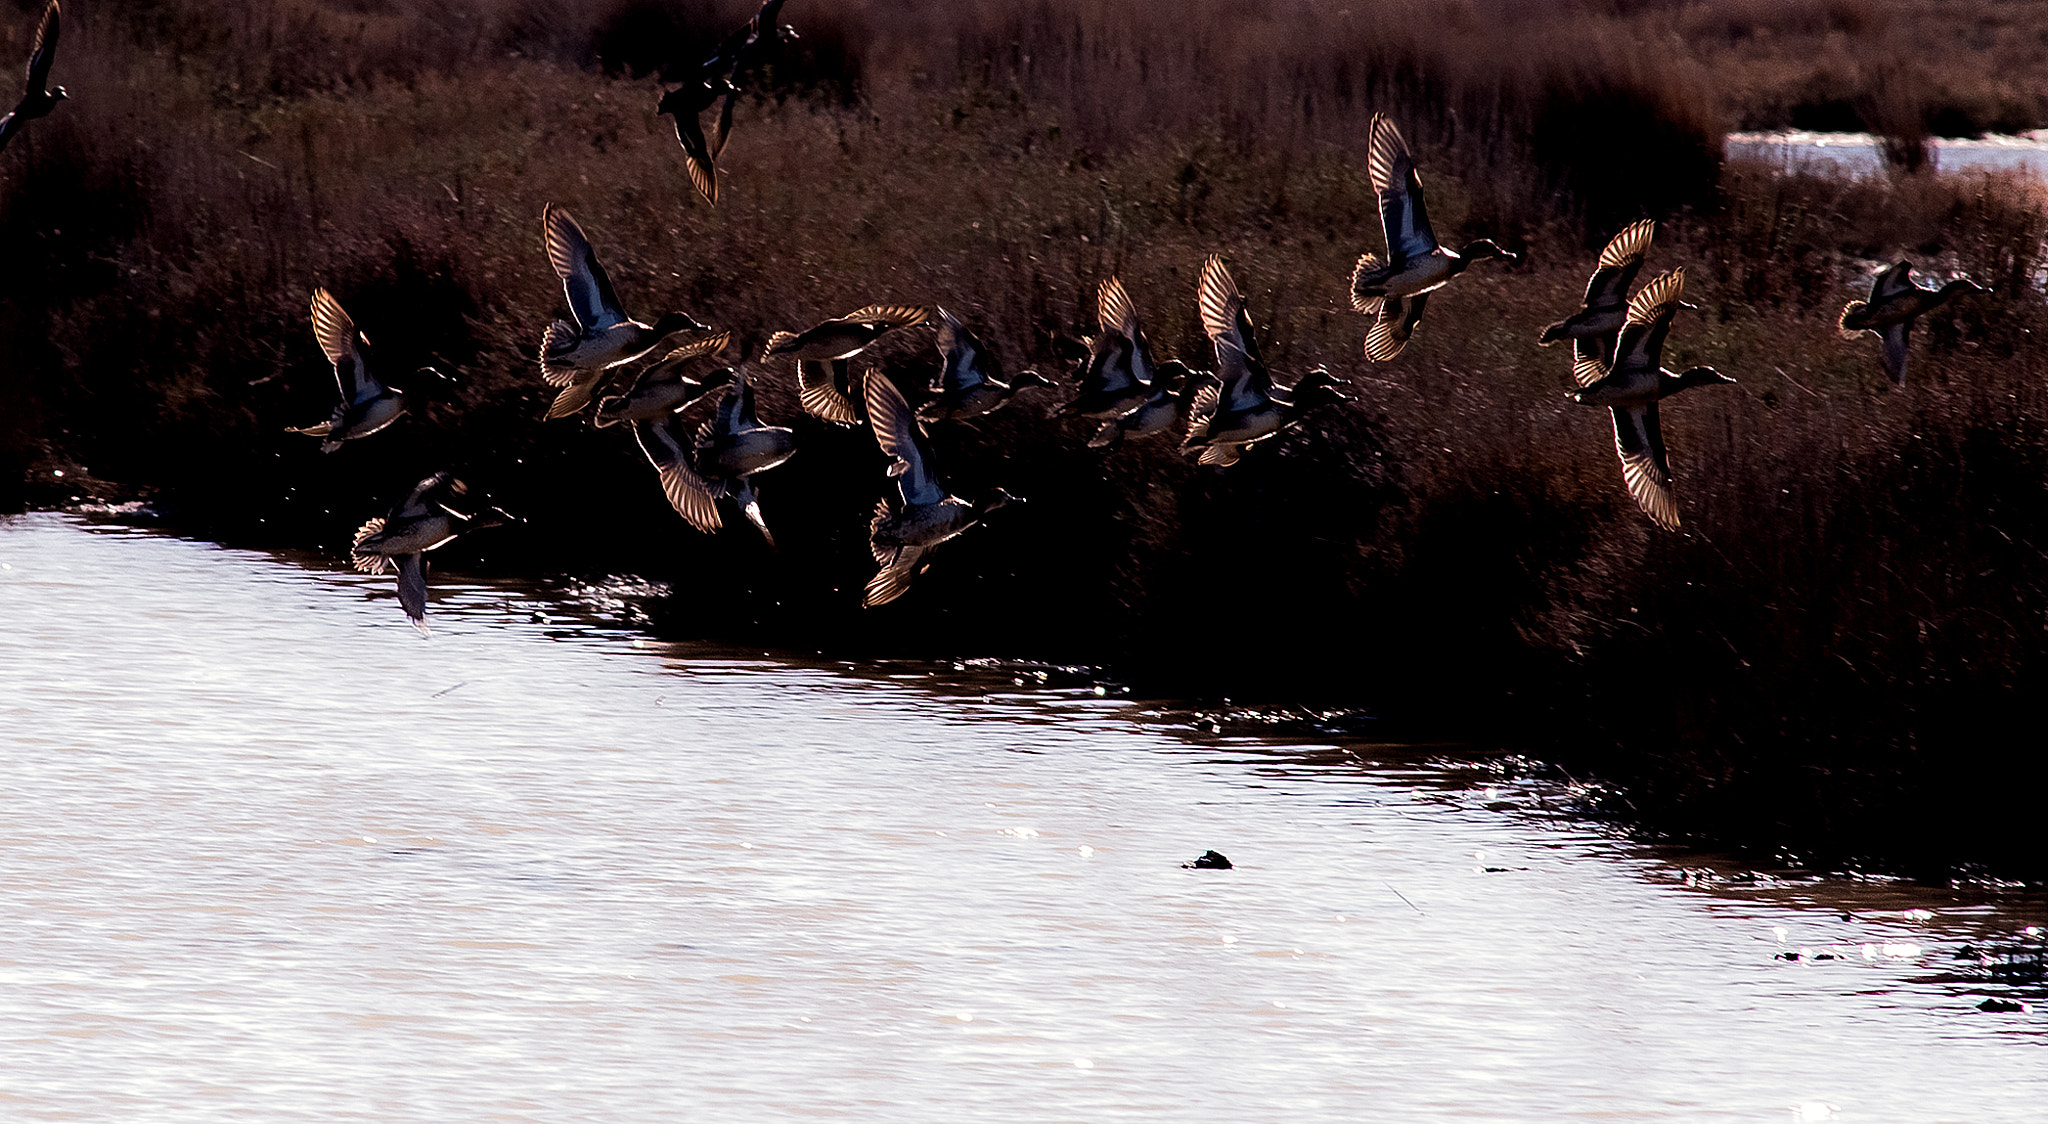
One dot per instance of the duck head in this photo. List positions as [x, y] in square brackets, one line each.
[1699, 376]
[1029, 378]
[1484, 248]
[1961, 285]
[1318, 388]
[673, 322]
[995, 499]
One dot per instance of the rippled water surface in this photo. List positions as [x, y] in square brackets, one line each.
[266, 854]
[1859, 154]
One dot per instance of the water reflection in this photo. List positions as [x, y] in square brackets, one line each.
[270, 854]
[1860, 154]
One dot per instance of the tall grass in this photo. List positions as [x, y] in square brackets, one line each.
[1853, 611]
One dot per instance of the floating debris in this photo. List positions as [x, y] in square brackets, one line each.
[1210, 860]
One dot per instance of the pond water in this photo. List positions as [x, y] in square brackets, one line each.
[267, 854]
[1858, 154]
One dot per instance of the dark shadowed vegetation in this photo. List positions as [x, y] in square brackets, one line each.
[1831, 659]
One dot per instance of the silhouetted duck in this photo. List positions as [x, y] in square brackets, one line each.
[367, 405]
[578, 356]
[1393, 292]
[969, 382]
[37, 101]
[924, 515]
[1118, 377]
[1595, 326]
[844, 337]
[1634, 385]
[1895, 302]
[424, 520]
[1172, 405]
[728, 450]
[718, 77]
[1246, 408]
[663, 388]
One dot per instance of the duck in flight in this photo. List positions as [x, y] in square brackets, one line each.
[1594, 328]
[1118, 376]
[1896, 300]
[367, 405]
[1633, 385]
[720, 462]
[824, 357]
[424, 520]
[663, 389]
[40, 97]
[1175, 390]
[1394, 291]
[1247, 407]
[578, 354]
[718, 77]
[969, 380]
[924, 514]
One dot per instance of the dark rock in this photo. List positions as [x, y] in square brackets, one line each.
[2002, 1006]
[1210, 860]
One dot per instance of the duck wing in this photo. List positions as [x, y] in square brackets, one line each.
[818, 384]
[699, 154]
[1639, 440]
[961, 365]
[428, 496]
[1641, 343]
[893, 580]
[1894, 338]
[43, 54]
[412, 587]
[584, 283]
[1618, 265]
[1393, 326]
[1893, 281]
[1592, 358]
[897, 433]
[1403, 217]
[339, 339]
[662, 441]
[1246, 383]
[1115, 312]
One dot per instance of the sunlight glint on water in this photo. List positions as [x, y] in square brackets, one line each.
[265, 854]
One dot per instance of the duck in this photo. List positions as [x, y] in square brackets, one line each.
[1896, 300]
[1393, 292]
[367, 405]
[844, 337]
[729, 449]
[1175, 389]
[424, 520]
[718, 77]
[968, 383]
[1632, 387]
[577, 355]
[1595, 326]
[1117, 376]
[40, 97]
[1245, 408]
[924, 514]
[663, 389]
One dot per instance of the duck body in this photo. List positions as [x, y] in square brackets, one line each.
[846, 336]
[1594, 328]
[40, 98]
[923, 514]
[1633, 386]
[367, 405]
[1394, 291]
[969, 381]
[1117, 376]
[1174, 392]
[577, 355]
[663, 388]
[1896, 300]
[424, 520]
[1245, 408]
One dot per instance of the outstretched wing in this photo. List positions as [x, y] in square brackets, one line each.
[1403, 217]
[1639, 440]
[1649, 320]
[896, 432]
[1245, 381]
[43, 55]
[412, 588]
[338, 338]
[1894, 338]
[584, 283]
[662, 441]
[1618, 265]
[698, 154]
[820, 392]
[960, 368]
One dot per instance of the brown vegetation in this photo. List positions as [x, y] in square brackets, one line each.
[1852, 617]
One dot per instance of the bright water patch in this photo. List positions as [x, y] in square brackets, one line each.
[265, 854]
[1858, 154]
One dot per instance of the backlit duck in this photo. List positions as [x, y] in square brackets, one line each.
[37, 101]
[578, 356]
[1895, 302]
[826, 389]
[1393, 292]
[729, 449]
[1118, 377]
[1175, 389]
[424, 520]
[367, 405]
[969, 381]
[844, 337]
[924, 515]
[663, 389]
[1595, 326]
[719, 77]
[1634, 385]
[1247, 407]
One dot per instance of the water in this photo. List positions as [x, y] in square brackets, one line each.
[1858, 154]
[265, 854]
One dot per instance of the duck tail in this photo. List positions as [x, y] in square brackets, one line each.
[555, 343]
[1364, 277]
[1553, 333]
[1853, 311]
[780, 342]
[1109, 436]
[367, 562]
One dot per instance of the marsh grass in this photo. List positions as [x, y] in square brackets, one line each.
[1825, 660]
